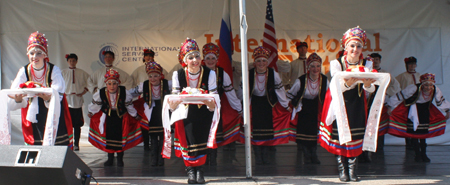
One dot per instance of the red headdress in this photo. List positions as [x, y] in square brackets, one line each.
[313, 58]
[211, 48]
[354, 34]
[261, 52]
[152, 67]
[38, 40]
[189, 46]
[112, 74]
[427, 77]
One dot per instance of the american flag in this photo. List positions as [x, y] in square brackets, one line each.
[270, 38]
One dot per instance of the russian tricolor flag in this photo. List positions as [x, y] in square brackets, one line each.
[225, 41]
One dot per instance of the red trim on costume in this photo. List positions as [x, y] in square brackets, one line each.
[333, 146]
[131, 133]
[281, 126]
[399, 118]
[384, 122]
[68, 120]
[231, 122]
[139, 106]
[180, 144]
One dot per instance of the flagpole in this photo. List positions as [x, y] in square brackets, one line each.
[245, 88]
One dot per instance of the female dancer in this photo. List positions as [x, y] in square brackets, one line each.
[34, 110]
[309, 91]
[270, 111]
[114, 127]
[191, 134]
[415, 116]
[355, 105]
[149, 107]
[228, 128]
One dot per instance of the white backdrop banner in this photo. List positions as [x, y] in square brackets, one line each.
[393, 44]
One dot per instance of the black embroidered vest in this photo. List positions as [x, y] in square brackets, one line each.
[301, 92]
[121, 108]
[270, 85]
[48, 75]
[219, 80]
[412, 100]
[204, 75]
[147, 92]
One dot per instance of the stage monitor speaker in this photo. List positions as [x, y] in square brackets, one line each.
[42, 165]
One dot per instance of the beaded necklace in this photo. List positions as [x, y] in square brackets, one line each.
[41, 78]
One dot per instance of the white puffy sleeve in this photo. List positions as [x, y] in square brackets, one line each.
[129, 104]
[398, 98]
[58, 81]
[294, 89]
[175, 83]
[96, 103]
[441, 102]
[138, 90]
[281, 92]
[20, 78]
[231, 94]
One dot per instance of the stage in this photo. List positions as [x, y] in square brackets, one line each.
[395, 165]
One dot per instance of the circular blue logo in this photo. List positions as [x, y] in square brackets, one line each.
[107, 48]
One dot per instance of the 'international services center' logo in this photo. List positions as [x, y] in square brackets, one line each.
[108, 47]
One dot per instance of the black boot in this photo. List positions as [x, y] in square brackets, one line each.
[380, 145]
[146, 138]
[200, 178]
[258, 155]
[208, 157]
[352, 165]
[299, 147]
[120, 159]
[314, 158]
[232, 146]
[272, 148]
[154, 152]
[306, 155]
[191, 175]
[160, 158]
[342, 168]
[213, 157]
[365, 157]
[110, 160]
[423, 151]
[409, 143]
[76, 134]
[415, 144]
[265, 154]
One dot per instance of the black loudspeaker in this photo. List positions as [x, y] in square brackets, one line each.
[42, 165]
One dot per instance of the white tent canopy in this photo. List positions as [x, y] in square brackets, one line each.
[396, 29]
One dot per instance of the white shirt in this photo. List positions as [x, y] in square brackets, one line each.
[405, 79]
[96, 103]
[259, 88]
[212, 86]
[311, 92]
[76, 82]
[440, 101]
[335, 66]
